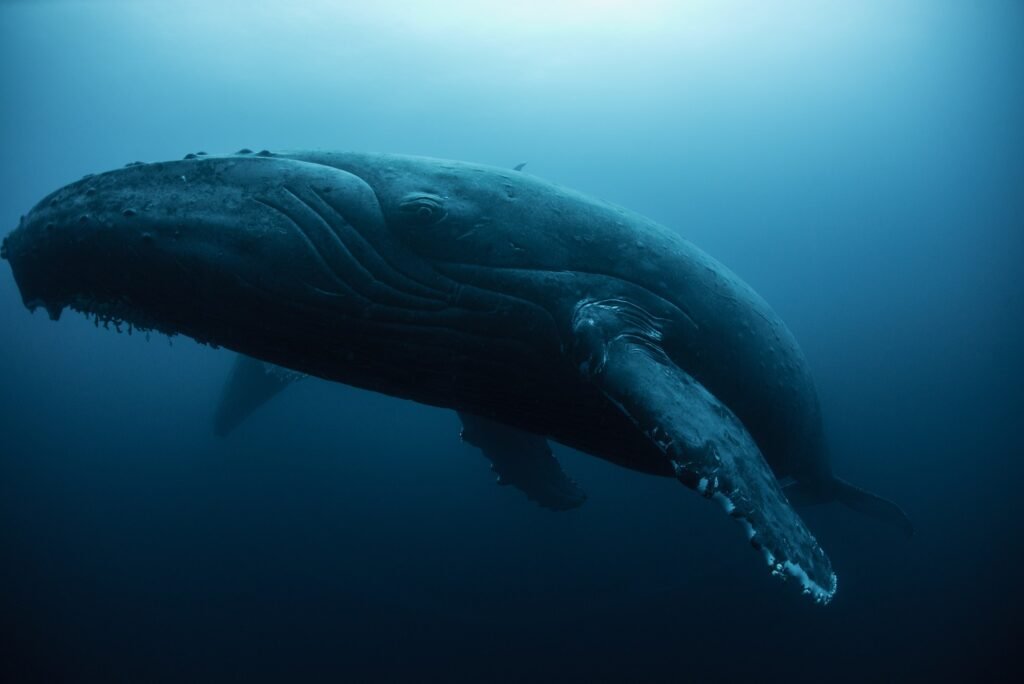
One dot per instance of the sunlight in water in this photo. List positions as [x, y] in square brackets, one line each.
[504, 43]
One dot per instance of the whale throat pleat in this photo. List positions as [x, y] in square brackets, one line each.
[322, 234]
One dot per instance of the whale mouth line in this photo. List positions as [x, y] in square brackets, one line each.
[119, 314]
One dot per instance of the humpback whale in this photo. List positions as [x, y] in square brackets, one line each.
[533, 310]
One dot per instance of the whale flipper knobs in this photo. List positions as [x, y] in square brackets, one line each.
[535, 312]
[708, 447]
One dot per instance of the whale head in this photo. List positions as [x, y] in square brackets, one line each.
[205, 246]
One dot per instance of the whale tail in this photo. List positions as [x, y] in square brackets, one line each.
[872, 506]
[851, 496]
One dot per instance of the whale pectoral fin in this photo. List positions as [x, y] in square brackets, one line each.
[705, 443]
[524, 461]
[250, 384]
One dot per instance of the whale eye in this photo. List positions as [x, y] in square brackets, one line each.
[423, 209]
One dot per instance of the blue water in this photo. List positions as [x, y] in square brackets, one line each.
[860, 165]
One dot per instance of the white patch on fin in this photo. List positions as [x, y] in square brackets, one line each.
[726, 502]
[809, 586]
[747, 527]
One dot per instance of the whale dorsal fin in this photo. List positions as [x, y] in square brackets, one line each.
[618, 348]
[524, 461]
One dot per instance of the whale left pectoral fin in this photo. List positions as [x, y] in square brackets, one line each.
[705, 443]
[524, 461]
[250, 384]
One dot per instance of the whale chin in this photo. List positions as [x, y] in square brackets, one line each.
[118, 315]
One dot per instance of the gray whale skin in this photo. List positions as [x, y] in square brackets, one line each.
[534, 311]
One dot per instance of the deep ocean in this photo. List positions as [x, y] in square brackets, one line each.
[860, 165]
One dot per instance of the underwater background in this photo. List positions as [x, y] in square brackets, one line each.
[861, 165]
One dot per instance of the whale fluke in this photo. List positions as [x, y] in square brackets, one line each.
[864, 502]
[873, 506]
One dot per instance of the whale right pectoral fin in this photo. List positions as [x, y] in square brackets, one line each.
[704, 442]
